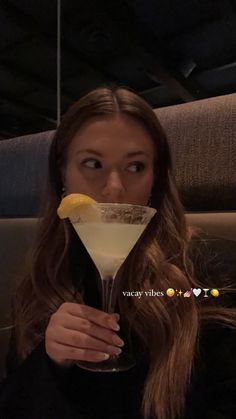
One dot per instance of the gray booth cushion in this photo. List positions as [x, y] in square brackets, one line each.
[203, 142]
[16, 238]
[202, 138]
[220, 224]
[23, 172]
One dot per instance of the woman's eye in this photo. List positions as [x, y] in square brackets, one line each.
[136, 167]
[92, 164]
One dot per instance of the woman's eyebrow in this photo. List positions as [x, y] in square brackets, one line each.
[90, 151]
[137, 153]
[130, 154]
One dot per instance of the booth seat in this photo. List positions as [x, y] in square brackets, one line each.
[202, 138]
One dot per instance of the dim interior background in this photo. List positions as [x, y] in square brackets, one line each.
[169, 52]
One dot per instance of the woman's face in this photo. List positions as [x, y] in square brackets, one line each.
[111, 160]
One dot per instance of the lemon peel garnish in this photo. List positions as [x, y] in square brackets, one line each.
[72, 205]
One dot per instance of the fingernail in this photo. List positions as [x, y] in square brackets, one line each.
[103, 356]
[117, 316]
[114, 350]
[118, 341]
[114, 326]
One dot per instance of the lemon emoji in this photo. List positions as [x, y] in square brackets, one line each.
[214, 292]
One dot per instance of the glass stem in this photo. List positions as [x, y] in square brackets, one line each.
[108, 304]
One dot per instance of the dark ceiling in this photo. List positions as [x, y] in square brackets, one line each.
[168, 51]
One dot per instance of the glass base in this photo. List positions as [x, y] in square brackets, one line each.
[115, 363]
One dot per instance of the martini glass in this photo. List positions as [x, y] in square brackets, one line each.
[109, 231]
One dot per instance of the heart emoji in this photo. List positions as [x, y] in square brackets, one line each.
[197, 291]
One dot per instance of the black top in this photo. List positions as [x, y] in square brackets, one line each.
[39, 389]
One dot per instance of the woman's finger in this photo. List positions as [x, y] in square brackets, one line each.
[83, 341]
[73, 323]
[62, 352]
[89, 313]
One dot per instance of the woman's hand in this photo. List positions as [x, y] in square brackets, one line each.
[79, 332]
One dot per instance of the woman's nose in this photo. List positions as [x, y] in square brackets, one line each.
[114, 189]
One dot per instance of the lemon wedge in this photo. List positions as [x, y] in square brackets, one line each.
[74, 204]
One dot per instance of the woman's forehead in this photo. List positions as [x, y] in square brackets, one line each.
[121, 132]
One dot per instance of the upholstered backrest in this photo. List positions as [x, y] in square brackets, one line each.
[16, 238]
[202, 138]
[23, 173]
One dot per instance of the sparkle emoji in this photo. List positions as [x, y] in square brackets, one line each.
[214, 292]
[170, 292]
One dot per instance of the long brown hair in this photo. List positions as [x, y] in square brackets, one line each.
[160, 260]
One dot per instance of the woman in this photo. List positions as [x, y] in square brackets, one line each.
[111, 147]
